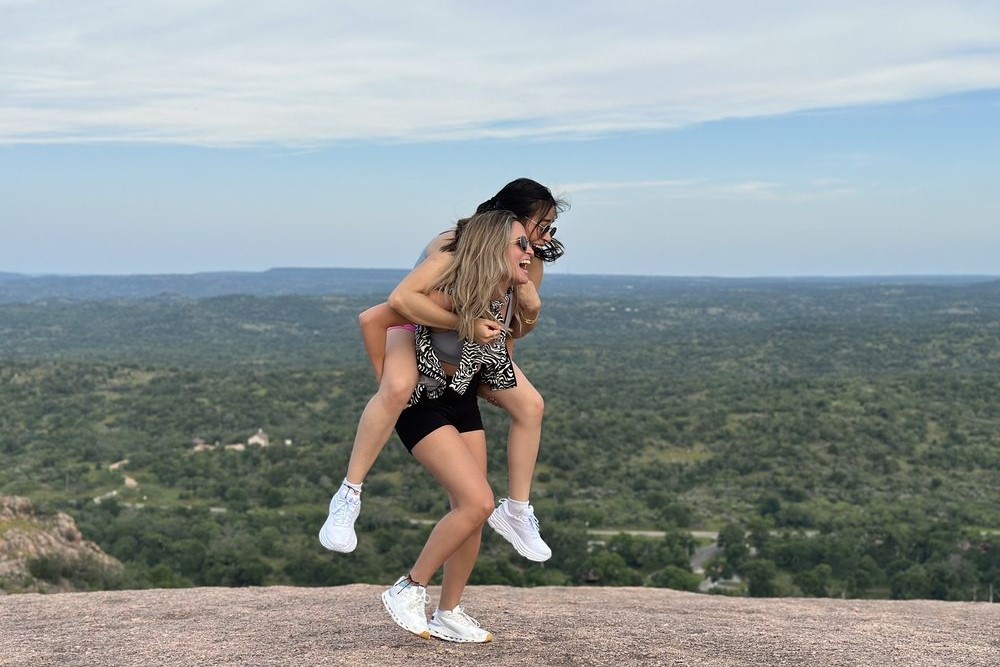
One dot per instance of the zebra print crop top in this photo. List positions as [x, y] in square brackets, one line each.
[492, 360]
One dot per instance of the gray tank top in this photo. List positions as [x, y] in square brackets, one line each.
[448, 346]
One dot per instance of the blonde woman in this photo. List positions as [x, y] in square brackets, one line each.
[442, 426]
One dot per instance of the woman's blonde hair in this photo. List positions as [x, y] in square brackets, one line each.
[479, 267]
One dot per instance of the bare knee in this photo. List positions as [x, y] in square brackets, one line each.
[528, 408]
[482, 506]
[367, 317]
[396, 390]
[486, 508]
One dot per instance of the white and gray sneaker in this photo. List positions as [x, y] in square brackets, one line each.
[521, 530]
[406, 603]
[337, 534]
[457, 626]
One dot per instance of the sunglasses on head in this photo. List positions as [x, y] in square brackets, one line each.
[523, 242]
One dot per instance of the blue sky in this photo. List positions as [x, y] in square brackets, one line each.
[691, 138]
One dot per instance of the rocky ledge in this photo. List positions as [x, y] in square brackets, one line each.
[616, 627]
[35, 543]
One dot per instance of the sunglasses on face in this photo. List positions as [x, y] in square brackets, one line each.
[546, 229]
[523, 242]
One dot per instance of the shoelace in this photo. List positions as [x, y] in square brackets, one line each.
[416, 600]
[463, 617]
[342, 512]
[529, 518]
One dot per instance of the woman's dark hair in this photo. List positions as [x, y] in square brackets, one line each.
[525, 198]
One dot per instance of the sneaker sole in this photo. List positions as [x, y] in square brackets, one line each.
[437, 634]
[519, 546]
[423, 634]
[330, 545]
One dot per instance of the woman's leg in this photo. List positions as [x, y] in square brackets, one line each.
[458, 568]
[515, 519]
[459, 468]
[399, 376]
[374, 323]
[458, 463]
[450, 621]
[525, 406]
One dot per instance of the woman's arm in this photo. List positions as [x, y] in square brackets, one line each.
[529, 303]
[413, 300]
[410, 298]
[373, 323]
[376, 320]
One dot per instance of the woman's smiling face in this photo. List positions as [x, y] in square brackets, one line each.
[540, 226]
[519, 253]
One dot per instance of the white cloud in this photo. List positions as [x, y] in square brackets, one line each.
[592, 186]
[622, 191]
[305, 72]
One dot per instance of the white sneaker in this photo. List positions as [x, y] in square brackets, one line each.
[521, 531]
[405, 602]
[337, 534]
[457, 626]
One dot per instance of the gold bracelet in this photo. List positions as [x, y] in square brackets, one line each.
[527, 321]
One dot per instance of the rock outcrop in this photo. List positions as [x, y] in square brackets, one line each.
[346, 625]
[51, 544]
[596, 627]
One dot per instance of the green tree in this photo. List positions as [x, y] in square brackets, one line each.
[911, 584]
[815, 582]
[610, 569]
[675, 577]
[760, 574]
[732, 540]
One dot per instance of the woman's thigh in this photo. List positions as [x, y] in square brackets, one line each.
[399, 371]
[458, 462]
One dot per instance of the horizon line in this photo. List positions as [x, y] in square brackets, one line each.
[551, 273]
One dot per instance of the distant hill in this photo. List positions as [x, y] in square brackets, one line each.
[273, 282]
[20, 288]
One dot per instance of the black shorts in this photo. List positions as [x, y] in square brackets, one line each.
[449, 409]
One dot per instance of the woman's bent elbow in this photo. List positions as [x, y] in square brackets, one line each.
[397, 303]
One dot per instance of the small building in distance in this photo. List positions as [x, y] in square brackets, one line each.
[200, 445]
[118, 464]
[259, 438]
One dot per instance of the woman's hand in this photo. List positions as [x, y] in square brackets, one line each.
[487, 331]
[528, 299]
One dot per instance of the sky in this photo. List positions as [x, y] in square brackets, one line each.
[691, 138]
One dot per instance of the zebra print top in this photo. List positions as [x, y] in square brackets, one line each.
[492, 360]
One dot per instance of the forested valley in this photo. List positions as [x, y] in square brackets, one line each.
[839, 436]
